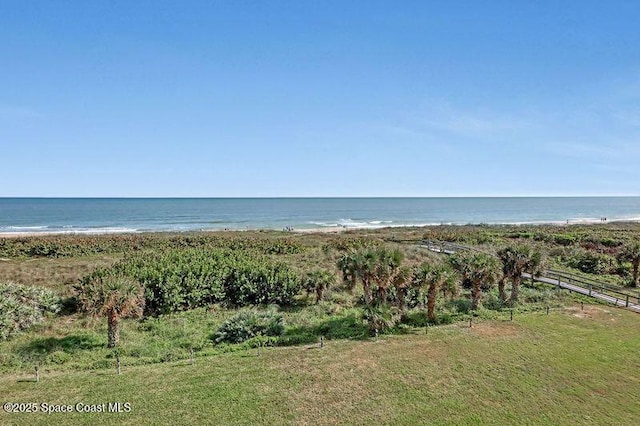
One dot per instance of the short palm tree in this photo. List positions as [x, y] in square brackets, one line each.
[517, 259]
[318, 281]
[631, 253]
[386, 266]
[433, 277]
[348, 266]
[480, 269]
[401, 282]
[115, 298]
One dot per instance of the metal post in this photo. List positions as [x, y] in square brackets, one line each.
[470, 319]
[627, 302]
[582, 306]
[259, 348]
[547, 310]
[590, 287]
[118, 363]
[37, 374]
[511, 319]
[322, 341]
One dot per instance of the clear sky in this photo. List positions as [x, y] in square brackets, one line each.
[319, 98]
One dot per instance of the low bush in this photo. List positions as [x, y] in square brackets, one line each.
[22, 307]
[590, 262]
[248, 324]
[381, 318]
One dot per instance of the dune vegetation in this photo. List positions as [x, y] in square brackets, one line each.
[317, 326]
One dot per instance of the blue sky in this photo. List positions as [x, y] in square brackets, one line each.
[319, 98]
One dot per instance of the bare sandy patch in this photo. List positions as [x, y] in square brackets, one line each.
[495, 329]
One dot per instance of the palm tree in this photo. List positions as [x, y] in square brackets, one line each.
[479, 269]
[401, 282]
[631, 253]
[366, 268]
[116, 298]
[433, 277]
[359, 265]
[501, 291]
[386, 266]
[375, 267]
[348, 266]
[319, 281]
[537, 265]
[517, 259]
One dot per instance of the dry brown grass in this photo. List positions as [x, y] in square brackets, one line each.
[59, 274]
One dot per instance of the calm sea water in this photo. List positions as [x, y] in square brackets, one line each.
[104, 215]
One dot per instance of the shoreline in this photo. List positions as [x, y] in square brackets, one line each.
[316, 230]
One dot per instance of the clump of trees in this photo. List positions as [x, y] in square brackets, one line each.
[433, 277]
[22, 307]
[516, 260]
[479, 270]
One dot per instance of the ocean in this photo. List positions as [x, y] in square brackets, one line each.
[114, 215]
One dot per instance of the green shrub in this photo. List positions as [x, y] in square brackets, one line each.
[589, 261]
[461, 305]
[381, 318]
[22, 307]
[58, 357]
[183, 279]
[565, 239]
[248, 324]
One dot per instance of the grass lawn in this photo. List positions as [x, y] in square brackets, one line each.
[569, 367]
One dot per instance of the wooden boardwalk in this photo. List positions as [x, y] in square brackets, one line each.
[561, 279]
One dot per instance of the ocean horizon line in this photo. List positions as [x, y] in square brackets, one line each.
[357, 197]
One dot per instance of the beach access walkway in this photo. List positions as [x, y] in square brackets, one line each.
[623, 298]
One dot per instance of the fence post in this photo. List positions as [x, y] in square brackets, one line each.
[37, 374]
[590, 287]
[118, 363]
[322, 341]
[627, 302]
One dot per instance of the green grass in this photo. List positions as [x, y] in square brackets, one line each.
[569, 367]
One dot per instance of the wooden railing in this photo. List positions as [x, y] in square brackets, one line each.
[564, 279]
